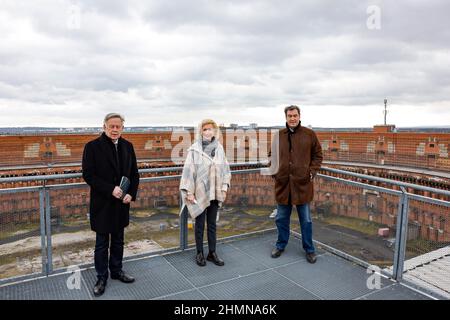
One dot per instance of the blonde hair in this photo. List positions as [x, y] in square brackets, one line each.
[208, 121]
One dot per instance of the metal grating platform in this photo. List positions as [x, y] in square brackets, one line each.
[249, 274]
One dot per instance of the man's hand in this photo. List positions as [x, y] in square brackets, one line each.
[117, 192]
[127, 199]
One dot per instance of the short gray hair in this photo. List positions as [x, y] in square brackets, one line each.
[114, 115]
[289, 108]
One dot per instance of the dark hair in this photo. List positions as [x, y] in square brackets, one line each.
[291, 107]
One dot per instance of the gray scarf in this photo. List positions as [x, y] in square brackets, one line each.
[209, 147]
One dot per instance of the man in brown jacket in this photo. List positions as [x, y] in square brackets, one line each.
[299, 158]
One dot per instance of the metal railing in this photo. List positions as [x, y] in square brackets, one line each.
[80, 175]
[402, 214]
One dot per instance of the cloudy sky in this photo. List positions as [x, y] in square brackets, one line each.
[160, 62]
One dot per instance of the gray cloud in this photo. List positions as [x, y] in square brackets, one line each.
[153, 56]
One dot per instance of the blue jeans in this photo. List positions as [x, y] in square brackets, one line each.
[283, 220]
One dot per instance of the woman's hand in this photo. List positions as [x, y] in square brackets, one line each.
[190, 198]
[224, 195]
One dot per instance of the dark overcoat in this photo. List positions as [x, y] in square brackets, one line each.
[102, 172]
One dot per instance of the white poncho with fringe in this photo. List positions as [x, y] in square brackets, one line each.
[204, 177]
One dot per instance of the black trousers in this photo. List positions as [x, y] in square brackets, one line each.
[115, 250]
[210, 214]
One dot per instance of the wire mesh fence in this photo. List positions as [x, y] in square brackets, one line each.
[20, 232]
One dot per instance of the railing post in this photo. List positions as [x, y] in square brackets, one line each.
[48, 231]
[401, 236]
[183, 226]
[42, 229]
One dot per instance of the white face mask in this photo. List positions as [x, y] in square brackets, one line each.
[207, 134]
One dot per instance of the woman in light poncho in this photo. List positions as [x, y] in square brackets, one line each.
[204, 185]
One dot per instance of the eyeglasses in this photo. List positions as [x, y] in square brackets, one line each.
[112, 126]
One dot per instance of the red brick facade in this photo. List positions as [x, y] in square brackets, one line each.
[424, 150]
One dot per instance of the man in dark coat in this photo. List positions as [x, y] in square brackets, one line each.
[105, 161]
[299, 157]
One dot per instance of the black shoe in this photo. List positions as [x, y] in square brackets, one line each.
[99, 287]
[276, 253]
[311, 257]
[122, 277]
[212, 256]
[200, 259]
